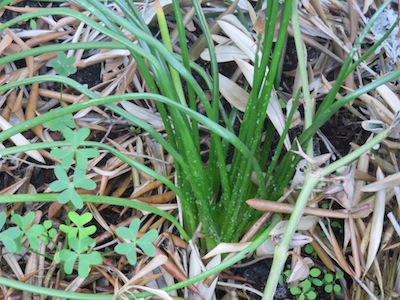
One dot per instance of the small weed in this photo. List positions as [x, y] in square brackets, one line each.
[308, 287]
[330, 282]
[81, 251]
[131, 242]
[304, 290]
[78, 247]
[64, 66]
[310, 251]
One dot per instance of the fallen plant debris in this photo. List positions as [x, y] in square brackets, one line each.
[200, 141]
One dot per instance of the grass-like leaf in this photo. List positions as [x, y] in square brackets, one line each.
[3, 218]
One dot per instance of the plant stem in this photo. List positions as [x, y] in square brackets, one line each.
[312, 178]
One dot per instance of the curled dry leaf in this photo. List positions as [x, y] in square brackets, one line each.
[382, 184]
[239, 35]
[377, 223]
[268, 247]
[143, 114]
[301, 269]
[226, 248]
[305, 223]
[224, 53]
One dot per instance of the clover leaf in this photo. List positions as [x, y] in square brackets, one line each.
[80, 231]
[23, 221]
[64, 184]
[65, 155]
[59, 124]
[80, 252]
[64, 65]
[11, 239]
[129, 248]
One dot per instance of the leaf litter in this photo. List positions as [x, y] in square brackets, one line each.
[366, 237]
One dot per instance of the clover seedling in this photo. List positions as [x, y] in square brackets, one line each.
[64, 185]
[80, 231]
[304, 290]
[65, 65]
[59, 124]
[330, 282]
[131, 242]
[81, 252]
[12, 237]
[81, 155]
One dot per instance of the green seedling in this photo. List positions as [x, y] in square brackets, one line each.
[12, 237]
[81, 252]
[80, 231]
[331, 284]
[310, 251]
[32, 233]
[65, 65]
[67, 188]
[59, 124]
[131, 241]
[81, 155]
[67, 157]
[32, 24]
[304, 290]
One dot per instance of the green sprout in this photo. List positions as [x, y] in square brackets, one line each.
[331, 284]
[65, 65]
[129, 247]
[81, 252]
[80, 231]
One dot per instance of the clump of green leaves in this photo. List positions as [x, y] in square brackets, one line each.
[13, 236]
[80, 245]
[74, 155]
[331, 284]
[308, 287]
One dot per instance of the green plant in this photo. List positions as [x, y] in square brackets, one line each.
[310, 251]
[304, 290]
[307, 287]
[79, 246]
[129, 235]
[12, 237]
[199, 182]
[330, 282]
[64, 67]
